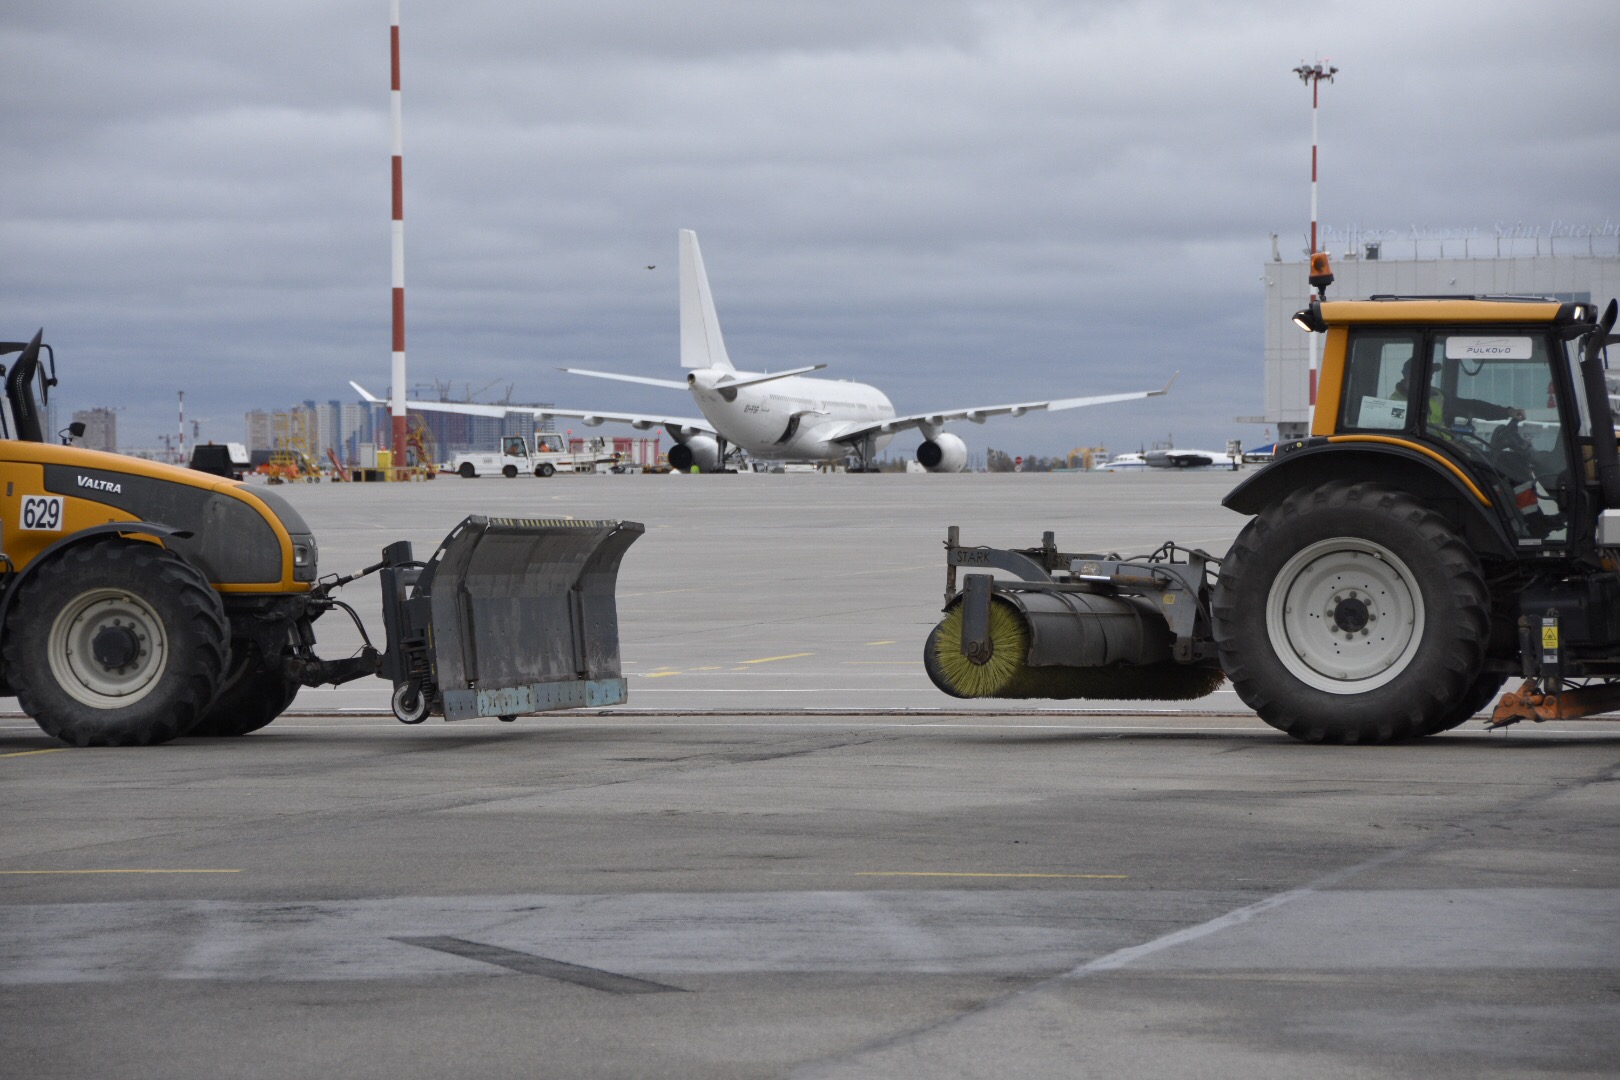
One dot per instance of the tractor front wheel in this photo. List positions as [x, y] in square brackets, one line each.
[116, 643]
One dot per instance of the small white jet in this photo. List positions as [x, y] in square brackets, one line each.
[774, 416]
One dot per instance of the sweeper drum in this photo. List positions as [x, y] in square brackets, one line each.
[1059, 625]
[510, 616]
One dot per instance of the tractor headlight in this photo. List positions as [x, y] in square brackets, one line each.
[305, 556]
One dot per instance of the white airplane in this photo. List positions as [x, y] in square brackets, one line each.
[780, 415]
[1172, 459]
[1192, 459]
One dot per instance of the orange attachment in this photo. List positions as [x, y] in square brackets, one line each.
[1528, 702]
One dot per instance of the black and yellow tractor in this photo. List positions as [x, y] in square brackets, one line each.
[1452, 521]
[140, 601]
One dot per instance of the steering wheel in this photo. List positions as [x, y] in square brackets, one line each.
[1510, 450]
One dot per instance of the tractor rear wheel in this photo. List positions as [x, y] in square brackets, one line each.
[116, 643]
[467, 470]
[1351, 613]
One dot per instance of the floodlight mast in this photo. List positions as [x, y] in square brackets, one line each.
[1312, 76]
[397, 396]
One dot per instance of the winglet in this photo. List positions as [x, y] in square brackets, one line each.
[1167, 386]
[366, 394]
[701, 343]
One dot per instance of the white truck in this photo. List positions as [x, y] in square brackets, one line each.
[547, 456]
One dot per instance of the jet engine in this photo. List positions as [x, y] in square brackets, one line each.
[943, 453]
[700, 450]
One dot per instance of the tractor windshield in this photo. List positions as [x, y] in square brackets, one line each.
[1490, 397]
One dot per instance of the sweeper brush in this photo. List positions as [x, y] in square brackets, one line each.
[1073, 626]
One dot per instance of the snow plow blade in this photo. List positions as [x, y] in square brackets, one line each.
[510, 616]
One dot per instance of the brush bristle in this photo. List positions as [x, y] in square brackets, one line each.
[1006, 675]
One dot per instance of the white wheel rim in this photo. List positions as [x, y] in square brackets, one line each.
[71, 649]
[1345, 616]
[411, 715]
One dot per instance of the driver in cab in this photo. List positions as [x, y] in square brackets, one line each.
[1443, 414]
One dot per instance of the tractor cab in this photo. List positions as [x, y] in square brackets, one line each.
[1480, 405]
[22, 416]
[1489, 401]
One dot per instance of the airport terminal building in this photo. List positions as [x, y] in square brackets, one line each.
[1574, 268]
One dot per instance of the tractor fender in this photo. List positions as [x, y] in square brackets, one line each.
[141, 528]
[1439, 483]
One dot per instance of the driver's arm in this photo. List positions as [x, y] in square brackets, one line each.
[1487, 410]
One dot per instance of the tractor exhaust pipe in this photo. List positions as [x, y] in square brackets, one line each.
[1604, 453]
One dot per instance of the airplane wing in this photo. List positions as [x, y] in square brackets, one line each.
[854, 432]
[642, 379]
[678, 426]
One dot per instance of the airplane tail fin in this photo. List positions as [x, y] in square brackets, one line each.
[701, 343]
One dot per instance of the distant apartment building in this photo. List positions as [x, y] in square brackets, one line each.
[350, 430]
[100, 428]
[260, 430]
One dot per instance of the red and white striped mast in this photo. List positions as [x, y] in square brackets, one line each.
[397, 393]
[1312, 75]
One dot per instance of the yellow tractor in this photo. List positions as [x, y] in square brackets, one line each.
[1452, 521]
[140, 602]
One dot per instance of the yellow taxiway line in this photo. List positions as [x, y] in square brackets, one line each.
[26, 753]
[953, 873]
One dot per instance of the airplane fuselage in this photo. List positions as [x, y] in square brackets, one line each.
[793, 418]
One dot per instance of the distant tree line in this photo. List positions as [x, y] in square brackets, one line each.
[1001, 461]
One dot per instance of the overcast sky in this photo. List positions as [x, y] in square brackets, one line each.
[964, 203]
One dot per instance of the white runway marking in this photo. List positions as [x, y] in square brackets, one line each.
[957, 931]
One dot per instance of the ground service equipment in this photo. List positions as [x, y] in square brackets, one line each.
[1453, 520]
[140, 602]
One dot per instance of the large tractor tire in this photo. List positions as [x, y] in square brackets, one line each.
[1350, 613]
[254, 692]
[116, 643]
[467, 471]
